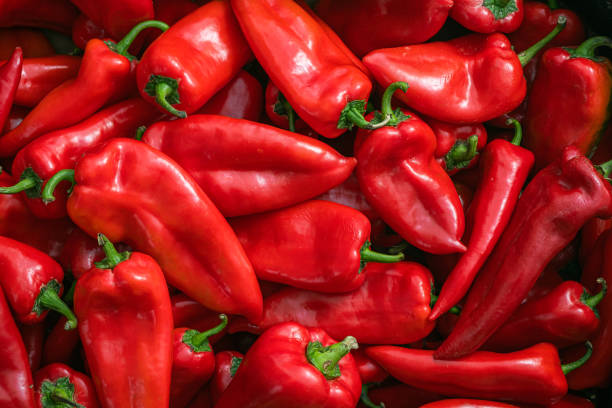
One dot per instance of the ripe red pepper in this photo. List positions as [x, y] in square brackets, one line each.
[60, 343]
[533, 375]
[54, 14]
[61, 149]
[10, 73]
[557, 202]
[467, 403]
[202, 399]
[33, 338]
[202, 258]
[395, 396]
[60, 385]
[33, 43]
[569, 101]
[504, 168]
[280, 112]
[589, 235]
[400, 292]
[193, 362]
[84, 30]
[316, 76]
[291, 365]
[80, 252]
[171, 11]
[277, 168]
[15, 117]
[489, 16]
[241, 98]
[479, 77]
[183, 68]
[116, 17]
[226, 365]
[126, 291]
[369, 371]
[32, 282]
[187, 312]
[316, 245]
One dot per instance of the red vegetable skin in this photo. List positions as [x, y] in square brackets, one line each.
[84, 30]
[10, 73]
[32, 42]
[467, 403]
[60, 344]
[397, 396]
[116, 17]
[486, 16]
[241, 98]
[33, 337]
[54, 14]
[58, 383]
[226, 365]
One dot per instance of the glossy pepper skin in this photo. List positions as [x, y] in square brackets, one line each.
[241, 98]
[284, 368]
[126, 290]
[467, 403]
[10, 73]
[59, 380]
[187, 312]
[560, 114]
[202, 258]
[33, 337]
[60, 344]
[316, 76]
[316, 245]
[369, 371]
[15, 374]
[54, 14]
[557, 202]
[61, 149]
[226, 365]
[84, 29]
[80, 252]
[32, 42]
[504, 167]
[391, 306]
[182, 69]
[116, 17]
[277, 168]
[488, 16]
[367, 25]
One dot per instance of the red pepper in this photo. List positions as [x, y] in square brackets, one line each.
[316, 76]
[241, 98]
[316, 245]
[183, 68]
[589, 235]
[400, 292]
[369, 371]
[61, 149]
[395, 396]
[171, 11]
[16, 116]
[60, 343]
[467, 403]
[193, 362]
[280, 112]
[557, 202]
[504, 169]
[489, 16]
[534, 375]
[32, 282]
[10, 73]
[291, 365]
[277, 168]
[115, 194]
[226, 365]
[15, 375]
[33, 337]
[202, 399]
[548, 280]
[80, 252]
[60, 385]
[32, 42]
[84, 30]
[479, 77]
[116, 17]
[54, 14]
[187, 312]
[569, 101]
[124, 309]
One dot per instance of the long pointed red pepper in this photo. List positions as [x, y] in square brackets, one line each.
[10, 74]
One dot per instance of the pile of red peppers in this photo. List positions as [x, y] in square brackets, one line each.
[289, 203]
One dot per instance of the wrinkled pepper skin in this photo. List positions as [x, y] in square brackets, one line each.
[367, 25]
[476, 15]
[10, 73]
[276, 373]
[33, 43]
[241, 98]
[402, 180]
[226, 365]
[557, 202]
[116, 17]
[125, 311]
[201, 64]
[78, 387]
[391, 306]
[277, 168]
[54, 14]
[202, 258]
[467, 403]
[477, 76]
[316, 76]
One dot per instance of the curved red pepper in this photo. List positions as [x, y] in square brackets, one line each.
[116, 17]
[277, 168]
[33, 338]
[489, 16]
[60, 384]
[569, 401]
[60, 343]
[291, 365]
[15, 117]
[10, 73]
[202, 399]
[54, 14]
[241, 98]
[226, 365]
[316, 76]
[557, 202]
[467, 403]
[400, 292]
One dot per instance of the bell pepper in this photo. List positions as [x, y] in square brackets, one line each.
[33, 337]
[569, 101]
[54, 14]
[10, 73]
[33, 43]
[504, 168]
[400, 292]
[58, 385]
[226, 365]
[395, 396]
[202, 258]
[277, 168]
[183, 68]
[60, 344]
[126, 290]
[193, 362]
[533, 375]
[367, 25]
[489, 16]
[61, 149]
[84, 29]
[316, 245]
[291, 365]
[116, 17]
[241, 98]
[32, 282]
[467, 403]
[589, 234]
[479, 77]
[316, 76]
[557, 202]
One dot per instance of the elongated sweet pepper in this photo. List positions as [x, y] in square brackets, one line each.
[202, 258]
[489, 16]
[10, 74]
[226, 365]
[58, 385]
[241, 98]
[54, 14]
[116, 17]
[291, 365]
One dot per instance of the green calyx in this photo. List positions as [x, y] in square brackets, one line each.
[198, 342]
[58, 394]
[236, 361]
[48, 299]
[113, 258]
[29, 182]
[165, 91]
[500, 8]
[367, 255]
[462, 153]
[60, 176]
[326, 359]
[605, 169]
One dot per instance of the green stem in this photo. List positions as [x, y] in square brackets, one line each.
[199, 339]
[49, 299]
[69, 294]
[22, 185]
[122, 46]
[326, 359]
[288, 110]
[593, 301]
[162, 91]
[587, 48]
[368, 255]
[553, 4]
[530, 52]
[386, 109]
[462, 153]
[605, 169]
[113, 257]
[453, 310]
[518, 131]
[365, 398]
[140, 132]
[62, 175]
[569, 367]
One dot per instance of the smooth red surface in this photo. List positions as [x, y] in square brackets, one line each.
[33, 337]
[241, 98]
[32, 42]
[475, 16]
[54, 14]
[60, 343]
[467, 403]
[10, 73]
[223, 375]
[116, 17]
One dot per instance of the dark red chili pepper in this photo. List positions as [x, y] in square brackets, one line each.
[504, 169]
[32, 42]
[241, 98]
[590, 233]
[116, 17]
[60, 343]
[401, 292]
[226, 365]
[59, 385]
[395, 396]
[467, 403]
[291, 365]
[557, 202]
[533, 375]
[277, 168]
[84, 30]
[33, 338]
[54, 14]
[489, 16]
[10, 73]
[316, 76]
